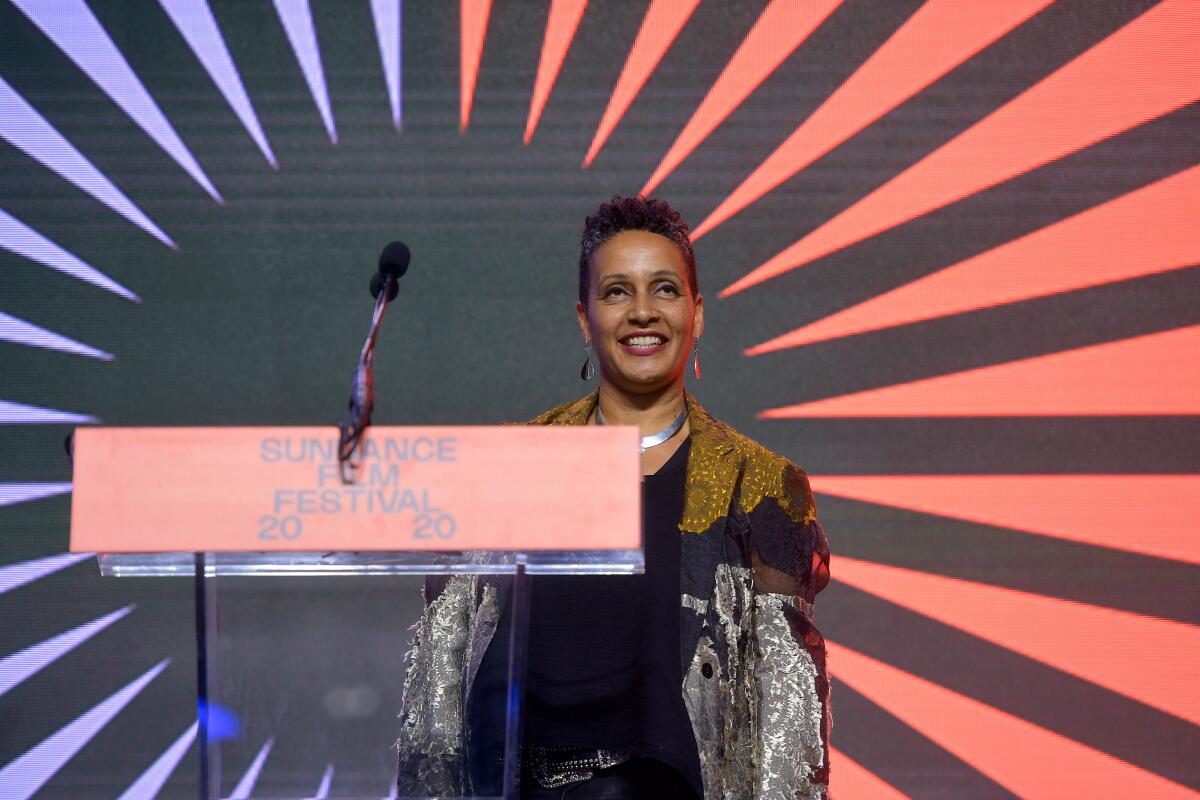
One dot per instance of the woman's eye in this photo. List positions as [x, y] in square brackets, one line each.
[669, 287]
[614, 290]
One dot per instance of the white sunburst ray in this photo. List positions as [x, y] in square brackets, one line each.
[22, 665]
[27, 130]
[76, 31]
[150, 782]
[20, 414]
[19, 238]
[28, 773]
[296, 18]
[195, 21]
[326, 779]
[388, 30]
[245, 785]
[12, 494]
[13, 576]
[72, 26]
[18, 331]
[25, 775]
[78, 34]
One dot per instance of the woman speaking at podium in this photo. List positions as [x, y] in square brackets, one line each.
[705, 676]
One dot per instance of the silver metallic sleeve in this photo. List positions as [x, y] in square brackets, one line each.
[790, 709]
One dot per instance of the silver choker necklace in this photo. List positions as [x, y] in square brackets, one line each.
[654, 439]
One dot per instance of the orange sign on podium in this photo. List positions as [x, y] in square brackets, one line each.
[151, 490]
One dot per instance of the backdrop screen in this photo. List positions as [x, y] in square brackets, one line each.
[949, 256]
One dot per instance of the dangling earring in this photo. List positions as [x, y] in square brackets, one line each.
[696, 356]
[588, 369]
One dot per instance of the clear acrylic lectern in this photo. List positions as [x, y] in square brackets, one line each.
[299, 670]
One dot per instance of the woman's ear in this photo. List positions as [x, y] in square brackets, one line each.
[581, 313]
[698, 319]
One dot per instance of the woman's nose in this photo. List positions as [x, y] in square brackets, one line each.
[642, 309]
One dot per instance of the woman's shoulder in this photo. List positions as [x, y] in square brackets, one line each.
[574, 412]
[725, 436]
[763, 472]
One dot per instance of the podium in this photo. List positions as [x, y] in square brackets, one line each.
[306, 588]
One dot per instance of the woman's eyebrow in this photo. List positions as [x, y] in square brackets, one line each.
[613, 277]
[621, 276]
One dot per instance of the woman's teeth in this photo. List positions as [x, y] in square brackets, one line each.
[644, 341]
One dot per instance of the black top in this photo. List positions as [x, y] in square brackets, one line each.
[604, 664]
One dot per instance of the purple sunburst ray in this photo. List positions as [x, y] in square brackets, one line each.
[296, 17]
[326, 779]
[245, 787]
[72, 26]
[18, 414]
[21, 778]
[388, 16]
[13, 493]
[19, 331]
[19, 238]
[29, 132]
[151, 781]
[18, 667]
[195, 21]
[19, 574]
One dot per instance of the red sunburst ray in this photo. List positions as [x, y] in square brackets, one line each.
[662, 23]
[940, 36]
[561, 25]
[473, 22]
[781, 28]
[1069, 636]
[1145, 70]
[849, 779]
[1060, 506]
[1153, 374]
[1028, 760]
[1151, 230]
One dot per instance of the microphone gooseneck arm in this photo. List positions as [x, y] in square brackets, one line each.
[362, 392]
[392, 264]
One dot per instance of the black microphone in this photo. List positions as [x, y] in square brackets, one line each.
[393, 262]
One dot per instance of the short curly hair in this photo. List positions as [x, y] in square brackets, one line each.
[633, 214]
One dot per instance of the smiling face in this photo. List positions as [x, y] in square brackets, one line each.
[641, 316]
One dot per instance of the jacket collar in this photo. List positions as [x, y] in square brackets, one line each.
[707, 432]
[712, 474]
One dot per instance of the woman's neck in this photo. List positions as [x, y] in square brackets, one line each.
[650, 412]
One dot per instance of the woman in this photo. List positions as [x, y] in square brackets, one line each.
[704, 677]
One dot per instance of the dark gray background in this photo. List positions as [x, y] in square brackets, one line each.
[258, 317]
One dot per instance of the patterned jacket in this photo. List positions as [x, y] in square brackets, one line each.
[753, 557]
